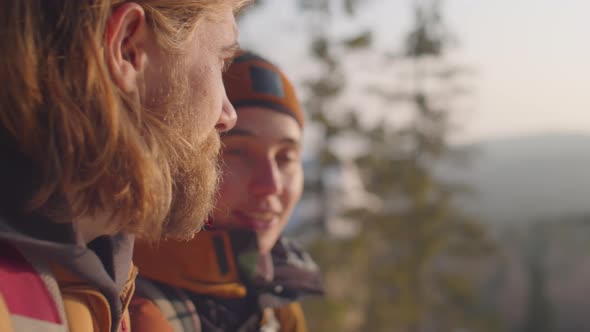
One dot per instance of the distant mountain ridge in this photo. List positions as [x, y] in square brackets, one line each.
[526, 178]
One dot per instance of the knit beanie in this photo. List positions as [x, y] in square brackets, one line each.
[254, 81]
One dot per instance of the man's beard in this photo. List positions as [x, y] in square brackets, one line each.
[193, 165]
[195, 183]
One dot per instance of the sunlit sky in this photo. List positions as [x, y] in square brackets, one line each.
[531, 57]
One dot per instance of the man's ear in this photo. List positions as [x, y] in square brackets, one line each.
[126, 39]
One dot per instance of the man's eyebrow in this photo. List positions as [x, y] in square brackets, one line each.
[231, 50]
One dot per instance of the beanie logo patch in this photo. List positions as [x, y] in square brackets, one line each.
[266, 81]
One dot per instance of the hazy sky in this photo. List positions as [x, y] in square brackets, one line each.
[534, 60]
[532, 57]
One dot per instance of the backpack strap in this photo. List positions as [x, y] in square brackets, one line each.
[5, 323]
[29, 292]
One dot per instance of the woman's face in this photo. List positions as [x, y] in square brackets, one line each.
[262, 174]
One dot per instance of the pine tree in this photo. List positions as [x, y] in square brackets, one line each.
[413, 265]
[424, 246]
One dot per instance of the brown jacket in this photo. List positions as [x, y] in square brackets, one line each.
[86, 308]
[49, 282]
[79, 307]
[182, 283]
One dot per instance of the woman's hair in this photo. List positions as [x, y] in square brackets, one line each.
[65, 127]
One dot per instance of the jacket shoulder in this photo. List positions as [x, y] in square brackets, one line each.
[5, 323]
[24, 294]
[159, 307]
[146, 316]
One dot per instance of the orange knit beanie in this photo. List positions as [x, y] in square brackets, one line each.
[254, 81]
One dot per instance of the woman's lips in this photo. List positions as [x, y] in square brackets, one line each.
[257, 220]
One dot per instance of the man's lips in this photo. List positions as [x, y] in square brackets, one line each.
[259, 220]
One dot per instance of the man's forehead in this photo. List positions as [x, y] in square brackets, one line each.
[236, 30]
[232, 41]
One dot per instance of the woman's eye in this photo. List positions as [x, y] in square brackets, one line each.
[288, 157]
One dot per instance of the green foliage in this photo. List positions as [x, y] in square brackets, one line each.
[539, 312]
[362, 40]
[548, 254]
[428, 37]
[351, 6]
[345, 285]
[413, 266]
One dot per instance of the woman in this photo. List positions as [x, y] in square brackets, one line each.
[239, 274]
